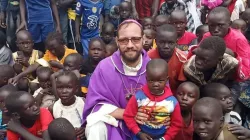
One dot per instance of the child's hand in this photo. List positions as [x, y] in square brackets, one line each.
[239, 131]
[78, 38]
[144, 136]
[58, 29]
[21, 60]
[14, 125]
[80, 133]
[23, 25]
[46, 91]
[141, 116]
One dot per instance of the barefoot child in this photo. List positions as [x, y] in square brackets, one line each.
[159, 103]
[28, 120]
[187, 94]
[69, 106]
[148, 39]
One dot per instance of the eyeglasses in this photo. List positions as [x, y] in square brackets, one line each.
[125, 41]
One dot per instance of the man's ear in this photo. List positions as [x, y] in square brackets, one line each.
[15, 115]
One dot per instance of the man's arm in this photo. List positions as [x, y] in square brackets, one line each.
[154, 9]
[56, 15]
[135, 14]
[118, 113]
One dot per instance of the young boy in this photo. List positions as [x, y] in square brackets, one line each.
[61, 129]
[203, 67]
[157, 100]
[90, 11]
[96, 54]
[239, 24]
[7, 72]
[223, 94]
[5, 52]
[148, 23]
[108, 32]
[148, 39]
[208, 120]
[187, 94]
[160, 20]
[125, 11]
[111, 48]
[40, 21]
[44, 96]
[200, 31]
[166, 40]
[179, 20]
[28, 120]
[69, 106]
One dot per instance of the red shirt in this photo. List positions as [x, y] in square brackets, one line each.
[186, 133]
[237, 42]
[143, 8]
[175, 66]
[37, 129]
[185, 41]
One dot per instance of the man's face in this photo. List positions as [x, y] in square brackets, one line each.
[130, 42]
[218, 24]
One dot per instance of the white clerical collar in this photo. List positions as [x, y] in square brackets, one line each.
[132, 71]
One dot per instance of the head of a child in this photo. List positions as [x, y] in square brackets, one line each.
[111, 48]
[97, 49]
[23, 84]
[22, 105]
[61, 126]
[246, 16]
[209, 53]
[166, 40]
[72, 62]
[160, 20]
[125, 10]
[55, 44]
[5, 91]
[179, 20]
[3, 39]
[148, 38]
[220, 92]
[200, 31]
[108, 32]
[219, 21]
[187, 94]
[6, 73]
[43, 76]
[239, 24]
[170, 2]
[208, 118]
[148, 23]
[24, 41]
[67, 85]
[157, 76]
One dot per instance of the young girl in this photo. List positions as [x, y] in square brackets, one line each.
[69, 106]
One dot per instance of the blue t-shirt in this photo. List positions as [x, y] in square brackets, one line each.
[91, 12]
[39, 11]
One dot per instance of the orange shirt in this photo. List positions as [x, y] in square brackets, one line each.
[175, 66]
[37, 129]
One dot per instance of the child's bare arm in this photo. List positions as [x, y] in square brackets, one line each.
[77, 28]
[53, 82]
[22, 13]
[154, 8]
[40, 54]
[56, 15]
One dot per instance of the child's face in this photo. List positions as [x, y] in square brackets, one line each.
[125, 10]
[240, 26]
[147, 23]
[202, 32]
[218, 24]
[3, 96]
[226, 100]
[29, 108]
[160, 21]
[186, 96]
[66, 89]
[156, 81]
[180, 23]
[25, 45]
[96, 51]
[108, 35]
[44, 80]
[55, 48]
[206, 123]
[110, 50]
[71, 63]
[148, 39]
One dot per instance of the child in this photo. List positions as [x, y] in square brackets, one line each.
[239, 24]
[160, 20]
[125, 11]
[28, 120]
[148, 23]
[26, 55]
[179, 20]
[187, 94]
[72, 62]
[40, 21]
[96, 54]
[7, 72]
[157, 100]
[61, 129]
[5, 52]
[223, 94]
[69, 106]
[44, 96]
[200, 31]
[108, 32]
[90, 10]
[208, 120]
[111, 48]
[4, 116]
[148, 39]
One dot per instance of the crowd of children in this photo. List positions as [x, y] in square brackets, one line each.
[197, 69]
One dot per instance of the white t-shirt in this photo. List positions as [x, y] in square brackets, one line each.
[238, 8]
[233, 117]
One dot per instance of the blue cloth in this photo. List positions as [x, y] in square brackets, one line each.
[85, 46]
[39, 32]
[91, 12]
[39, 11]
[85, 81]
[3, 5]
[109, 4]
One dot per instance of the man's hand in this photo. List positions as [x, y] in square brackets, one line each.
[141, 116]
[23, 25]
[240, 131]
[144, 136]
[2, 20]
